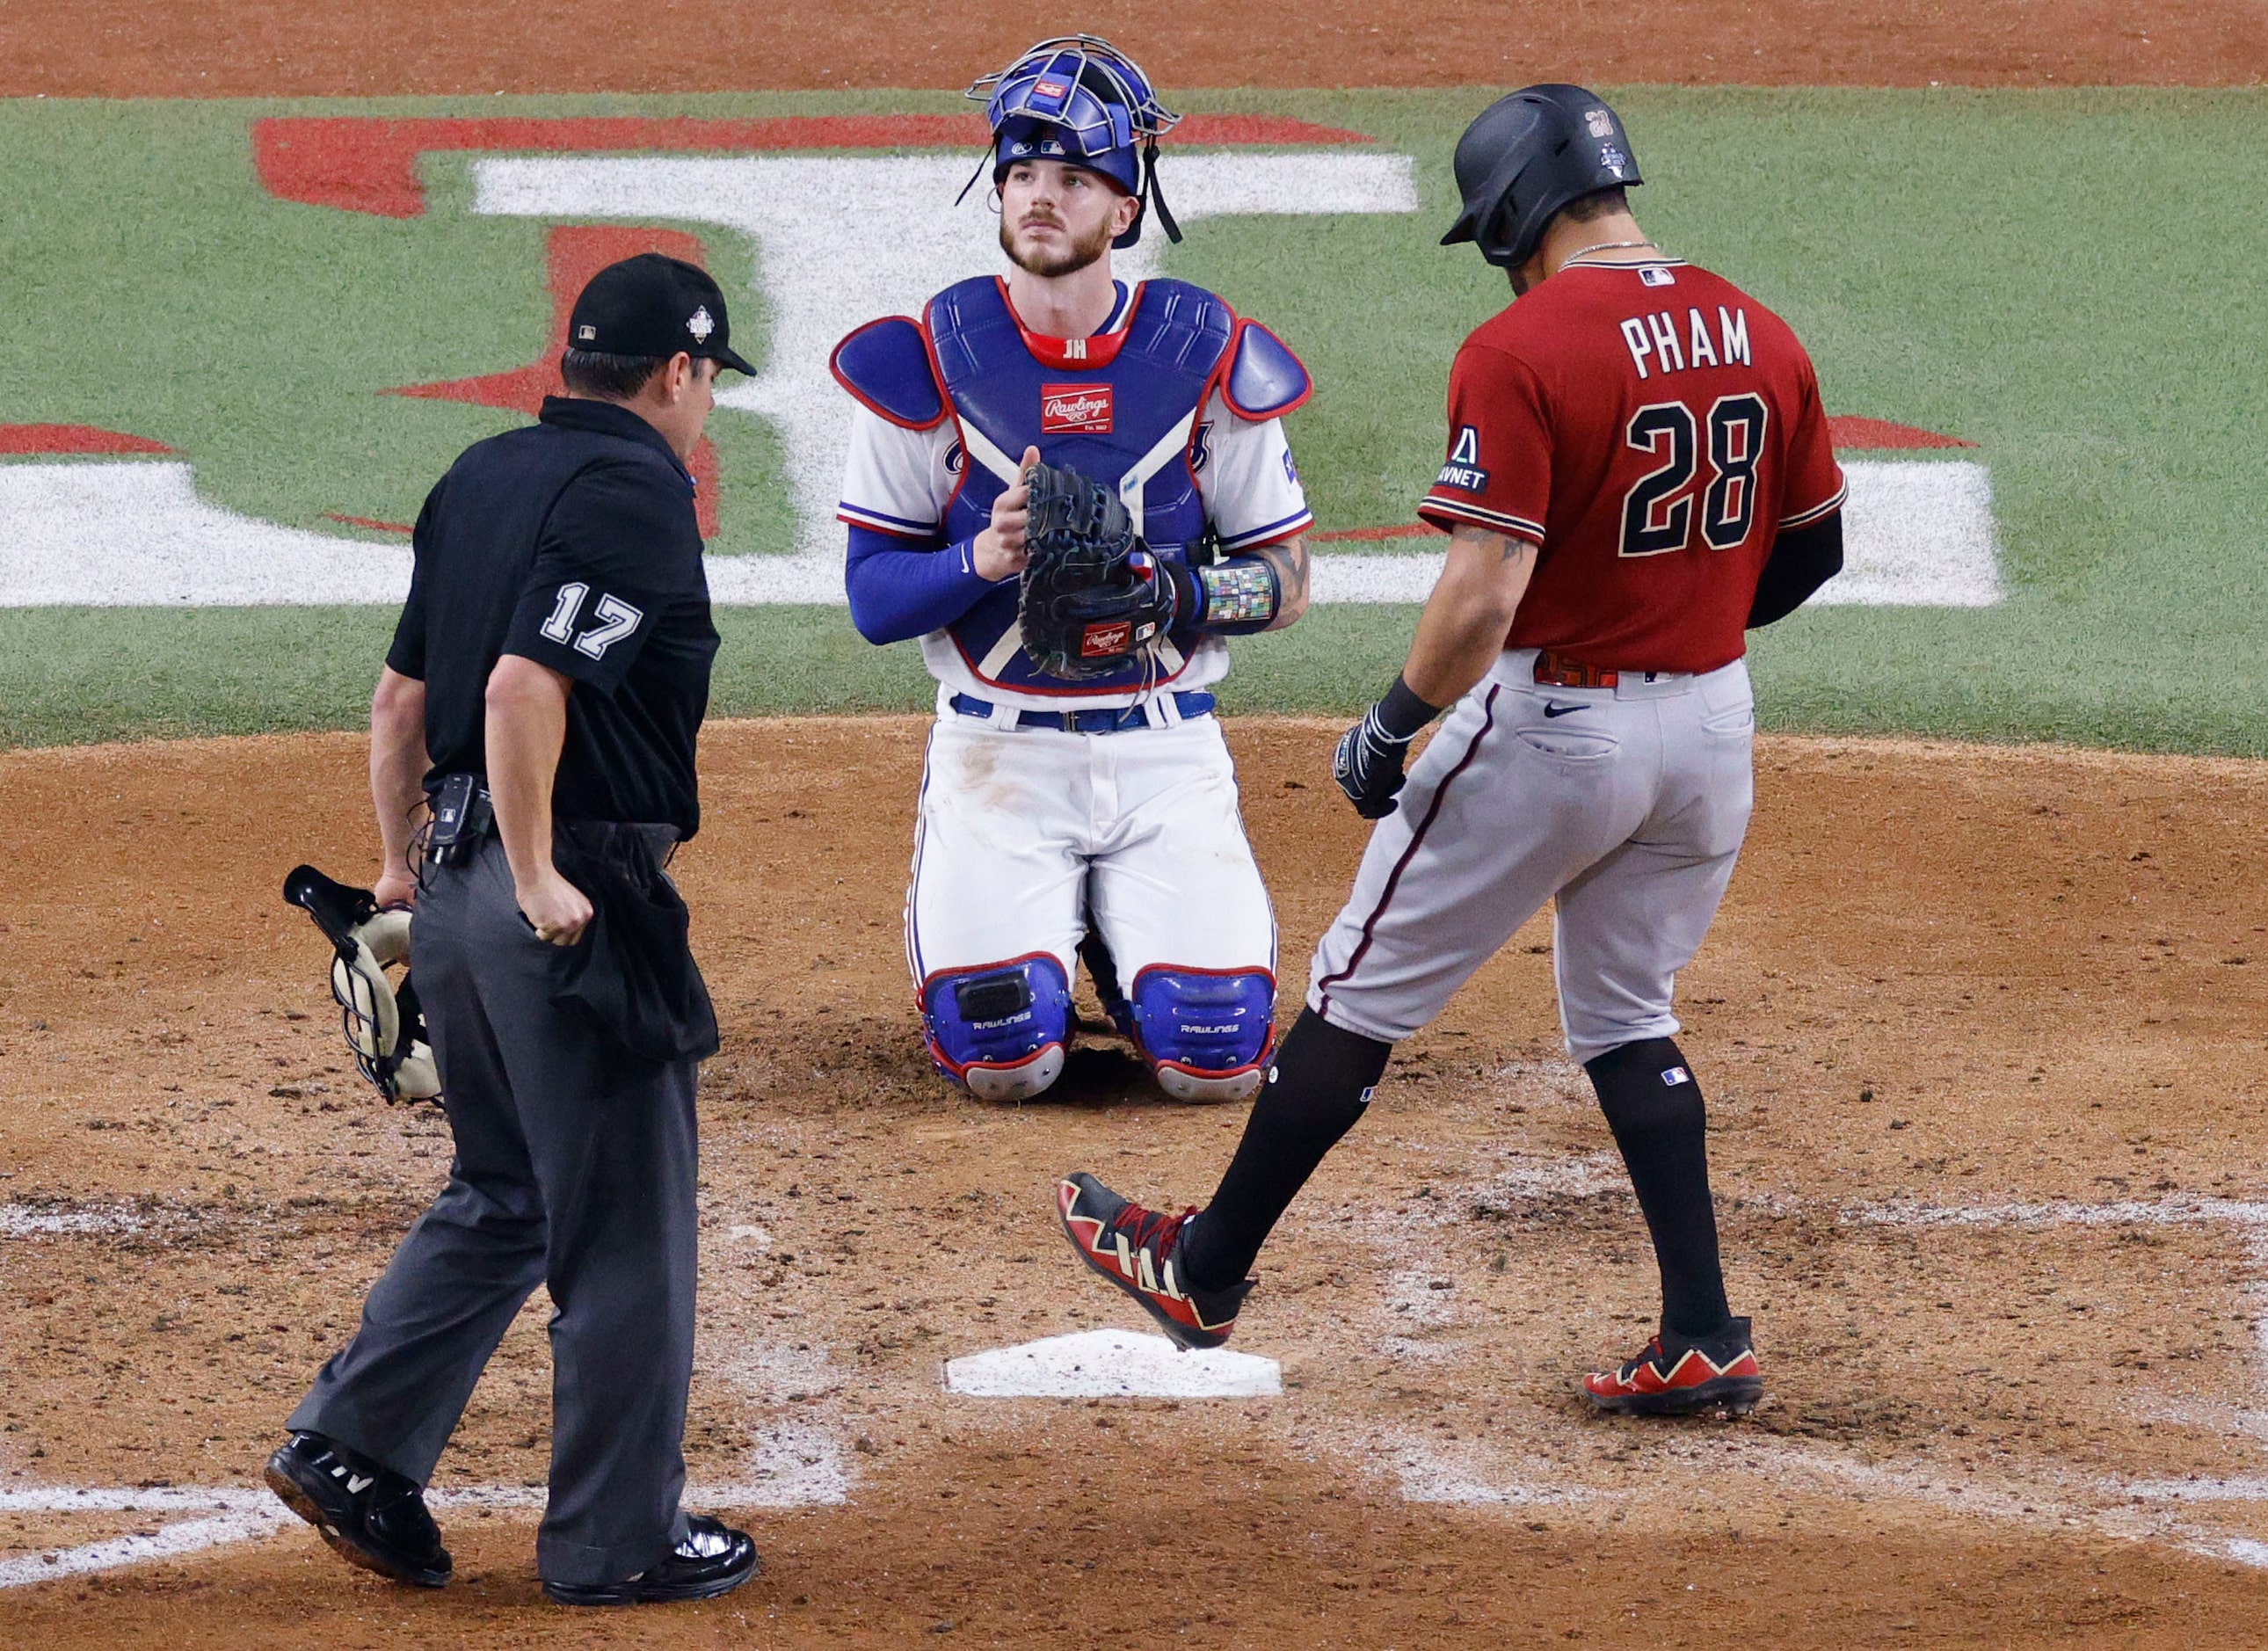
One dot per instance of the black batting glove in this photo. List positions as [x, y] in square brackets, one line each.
[1368, 762]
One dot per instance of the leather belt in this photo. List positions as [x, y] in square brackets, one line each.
[1094, 719]
[1557, 670]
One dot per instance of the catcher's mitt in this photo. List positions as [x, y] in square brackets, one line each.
[1090, 598]
[385, 1028]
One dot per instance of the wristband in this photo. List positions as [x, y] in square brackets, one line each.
[1401, 715]
[1239, 596]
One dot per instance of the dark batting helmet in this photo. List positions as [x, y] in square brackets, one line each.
[1527, 155]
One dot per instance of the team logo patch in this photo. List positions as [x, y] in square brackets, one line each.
[701, 324]
[1075, 409]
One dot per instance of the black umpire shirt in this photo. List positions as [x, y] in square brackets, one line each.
[571, 542]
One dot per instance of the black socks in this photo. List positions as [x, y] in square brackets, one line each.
[1655, 1109]
[1318, 1085]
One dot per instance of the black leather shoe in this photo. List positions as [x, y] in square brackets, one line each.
[712, 1558]
[370, 1516]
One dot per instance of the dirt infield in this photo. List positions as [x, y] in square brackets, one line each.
[380, 48]
[1981, 1034]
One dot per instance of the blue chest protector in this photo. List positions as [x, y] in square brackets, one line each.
[1128, 422]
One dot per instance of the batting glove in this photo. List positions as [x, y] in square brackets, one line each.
[1368, 762]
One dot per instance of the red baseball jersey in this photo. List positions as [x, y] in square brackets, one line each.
[1653, 428]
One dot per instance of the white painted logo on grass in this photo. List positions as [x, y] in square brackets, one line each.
[1111, 1364]
[802, 213]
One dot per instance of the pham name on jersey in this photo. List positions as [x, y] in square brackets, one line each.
[1656, 339]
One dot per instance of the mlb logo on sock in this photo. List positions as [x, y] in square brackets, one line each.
[1674, 1076]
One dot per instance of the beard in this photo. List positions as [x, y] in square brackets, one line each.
[1070, 261]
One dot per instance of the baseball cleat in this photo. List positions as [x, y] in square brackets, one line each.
[1139, 1250]
[1673, 1376]
[370, 1516]
[710, 1559]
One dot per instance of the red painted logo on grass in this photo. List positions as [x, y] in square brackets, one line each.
[1075, 409]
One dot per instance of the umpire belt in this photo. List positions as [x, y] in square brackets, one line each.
[1094, 720]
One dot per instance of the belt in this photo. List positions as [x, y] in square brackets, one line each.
[1557, 670]
[1095, 720]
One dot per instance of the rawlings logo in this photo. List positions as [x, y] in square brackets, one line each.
[1098, 642]
[1075, 409]
[1050, 88]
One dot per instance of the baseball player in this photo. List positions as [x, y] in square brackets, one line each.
[1638, 470]
[1094, 816]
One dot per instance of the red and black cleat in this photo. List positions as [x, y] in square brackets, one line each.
[1674, 1376]
[1139, 1250]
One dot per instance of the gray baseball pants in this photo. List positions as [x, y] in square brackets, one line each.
[1626, 806]
[575, 1169]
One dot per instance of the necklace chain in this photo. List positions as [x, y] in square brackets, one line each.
[1604, 246]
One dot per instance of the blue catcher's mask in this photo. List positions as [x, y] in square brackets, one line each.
[1078, 100]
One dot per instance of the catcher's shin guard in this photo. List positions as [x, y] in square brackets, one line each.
[999, 1030]
[1205, 1032]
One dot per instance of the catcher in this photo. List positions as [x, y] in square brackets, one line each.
[1080, 802]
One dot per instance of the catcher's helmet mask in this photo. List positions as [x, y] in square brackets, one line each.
[384, 1025]
[1526, 157]
[1078, 100]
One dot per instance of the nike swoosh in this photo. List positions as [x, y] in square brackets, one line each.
[1561, 711]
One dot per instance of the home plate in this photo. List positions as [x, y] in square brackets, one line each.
[1111, 1364]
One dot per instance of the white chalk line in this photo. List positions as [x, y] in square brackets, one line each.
[32, 1220]
[795, 1465]
[2131, 1510]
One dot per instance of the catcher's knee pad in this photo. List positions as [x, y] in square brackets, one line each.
[1206, 1032]
[999, 1029]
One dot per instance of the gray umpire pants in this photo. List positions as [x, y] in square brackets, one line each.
[575, 1169]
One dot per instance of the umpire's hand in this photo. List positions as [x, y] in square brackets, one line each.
[554, 908]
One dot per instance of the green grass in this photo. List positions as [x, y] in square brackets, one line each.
[77, 675]
[2068, 279]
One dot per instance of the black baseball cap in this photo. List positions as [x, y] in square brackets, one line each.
[654, 305]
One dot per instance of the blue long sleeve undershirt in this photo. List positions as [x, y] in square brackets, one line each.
[899, 589]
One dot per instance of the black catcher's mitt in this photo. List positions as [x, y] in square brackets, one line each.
[1090, 598]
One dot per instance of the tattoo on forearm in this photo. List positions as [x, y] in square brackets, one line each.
[1290, 561]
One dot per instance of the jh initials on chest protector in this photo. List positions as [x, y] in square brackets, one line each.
[1119, 409]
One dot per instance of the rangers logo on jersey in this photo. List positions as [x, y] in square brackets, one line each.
[1075, 409]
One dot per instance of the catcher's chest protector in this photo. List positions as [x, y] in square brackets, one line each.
[1127, 416]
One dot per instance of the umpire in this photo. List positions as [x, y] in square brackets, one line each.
[543, 694]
